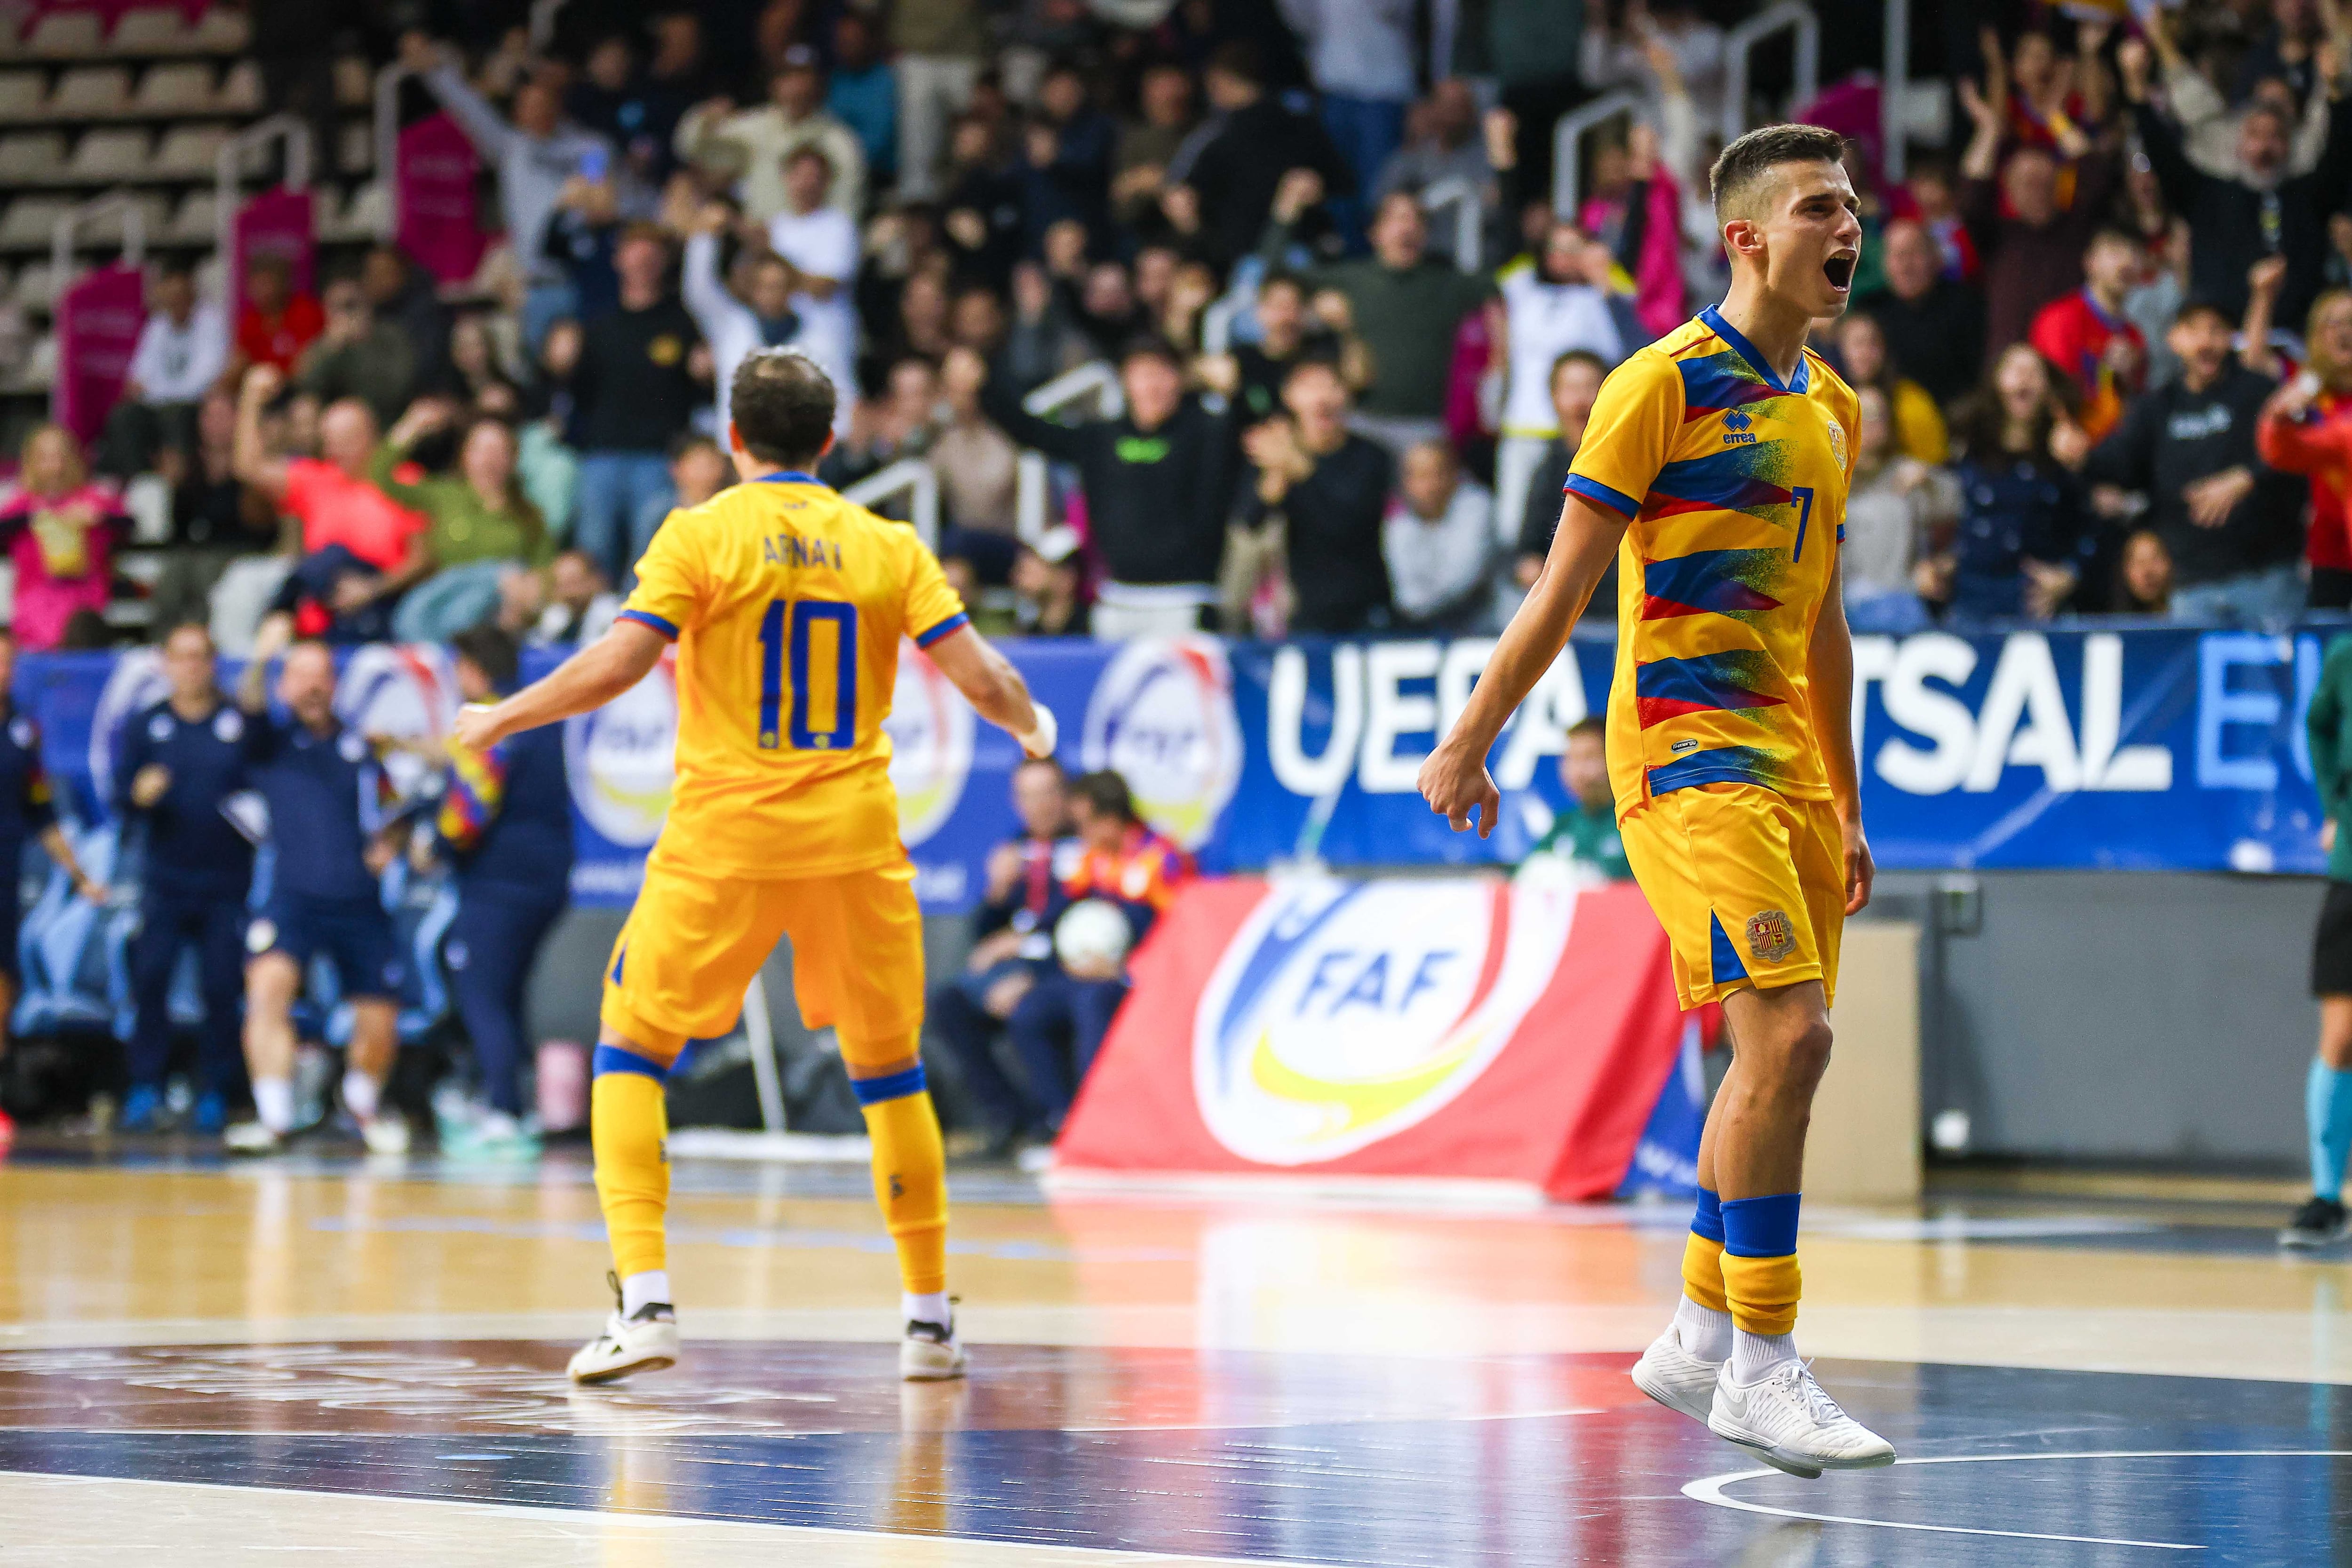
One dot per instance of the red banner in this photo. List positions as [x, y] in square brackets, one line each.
[278, 222]
[433, 187]
[1466, 1029]
[99, 320]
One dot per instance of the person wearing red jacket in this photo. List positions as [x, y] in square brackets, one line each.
[2086, 335]
[2307, 428]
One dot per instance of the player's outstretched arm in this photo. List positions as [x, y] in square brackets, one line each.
[995, 689]
[1455, 780]
[1829, 681]
[588, 679]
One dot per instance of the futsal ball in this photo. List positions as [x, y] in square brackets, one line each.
[1092, 936]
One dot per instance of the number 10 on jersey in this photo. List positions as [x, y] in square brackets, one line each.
[818, 637]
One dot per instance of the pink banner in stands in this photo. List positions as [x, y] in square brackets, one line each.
[278, 222]
[436, 171]
[99, 320]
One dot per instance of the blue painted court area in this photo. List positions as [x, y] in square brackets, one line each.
[1299, 1459]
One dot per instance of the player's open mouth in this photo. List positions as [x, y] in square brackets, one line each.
[1839, 269]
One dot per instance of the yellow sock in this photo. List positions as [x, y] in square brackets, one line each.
[1763, 1292]
[628, 1120]
[1703, 1271]
[910, 1176]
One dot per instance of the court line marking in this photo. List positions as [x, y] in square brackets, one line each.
[1709, 1490]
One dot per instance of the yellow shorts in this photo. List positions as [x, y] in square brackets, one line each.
[1750, 884]
[692, 944]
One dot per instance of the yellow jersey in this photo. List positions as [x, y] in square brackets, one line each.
[787, 604]
[1734, 484]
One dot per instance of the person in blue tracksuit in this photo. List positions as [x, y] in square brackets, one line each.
[506, 825]
[179, 762]
[329, 846]
[28, 811]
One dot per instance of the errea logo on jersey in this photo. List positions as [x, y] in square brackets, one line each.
[1736, 427]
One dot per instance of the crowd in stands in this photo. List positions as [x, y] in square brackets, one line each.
[2098, 347]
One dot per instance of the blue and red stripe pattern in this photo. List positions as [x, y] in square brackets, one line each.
[1727, 681]
[647, 618]
[1600, 494]
[1711, 582]
[946, 628]
[1718, 764]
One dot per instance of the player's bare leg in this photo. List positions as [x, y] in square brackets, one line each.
[910, 1185]
[375, 1046]
[271, 981]
[629, 1129]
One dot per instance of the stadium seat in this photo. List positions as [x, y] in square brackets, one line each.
[67, 36]
[90, 92]
[105, 156]
[24, 95]
[240, 90]
[221, 32]
[191, 150]
[31, 157]
[40, 371]
[182, 88]
[36, 287]
[197, 220]
[149, 30]
[30, 221]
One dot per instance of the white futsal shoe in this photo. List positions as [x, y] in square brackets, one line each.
[385, 1132]
[1676, 1378]
[647, 1341]
[1789, 1421]
[930, 1353]
[253, 1138]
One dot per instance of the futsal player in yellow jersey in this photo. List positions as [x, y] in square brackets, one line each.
[787, 604]
[1714, 469]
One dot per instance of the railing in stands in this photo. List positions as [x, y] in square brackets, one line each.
[542, 22]
[228, 166]
[1464, 195]
[124, 203]
[387, 141]
[1894, 90]
[909, 476]
[1097, 379]
[1568, 140]
[1740, 44]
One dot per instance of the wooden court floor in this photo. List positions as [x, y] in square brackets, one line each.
[328, 1360]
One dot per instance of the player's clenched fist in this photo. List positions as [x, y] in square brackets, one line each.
[1454, 781]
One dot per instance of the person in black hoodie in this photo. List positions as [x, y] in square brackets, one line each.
[1158, 482]
[1234, 162]
[2232, 524]
[1330, 490]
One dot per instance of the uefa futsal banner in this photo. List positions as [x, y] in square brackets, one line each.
[1468, 1028]
[2139, 748]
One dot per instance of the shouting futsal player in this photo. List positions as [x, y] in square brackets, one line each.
[1715, 467]
[787, 603]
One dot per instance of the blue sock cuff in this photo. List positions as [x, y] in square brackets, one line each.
[897, 1086]
[612, 1058]
[1760, 1227]
[2327, 1111]
[1709, 1221]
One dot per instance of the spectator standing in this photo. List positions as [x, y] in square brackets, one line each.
[183, 351]
[479, 526]
[1146, 146]
[1361, 55]
[820, 244]
[181, 760]
[1015, 945]
[863, 93]
[2144, 576]
[2088, 338]
[1404, 304]
[1158, 480]
[765, 138]
[1934, 325]
[734, 325]
[1323, 492]
[1439, 542]
[278, 322]
[403, 294]
[581, 604]
[29, 813]
[2031, 244]
[1554, 305]
[2260, 210]
[1576, 378]
[1863, 361]
[2234, 525]
[1231, 164]
[631, 373]
[61, 531]
[979, 470]
[1050, 588]
[1621, 56]
[321, 778]
[359, 356]
[1059, 1023]
[2024, 536]
[1446, 144]
[2210, 125]
[1584, 832]
[940, 44]
[2306, 429]
[506, 824]
[215, 518]
[1896, 510]
[534, 154]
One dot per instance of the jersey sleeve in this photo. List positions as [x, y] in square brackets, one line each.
[668, 596]
[933, 610]
[1631, 428]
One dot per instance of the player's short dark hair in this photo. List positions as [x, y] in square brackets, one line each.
[783, 406]
[1105, 791]
[2197, 305]
[1577, 357]
[1739, 169]
[493, 651]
